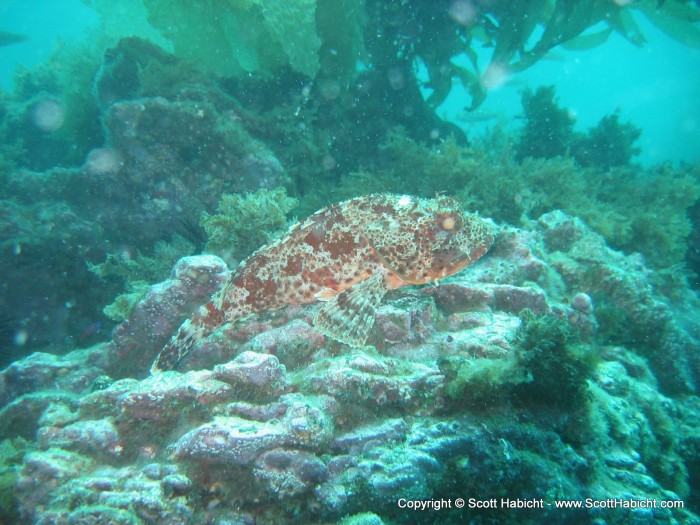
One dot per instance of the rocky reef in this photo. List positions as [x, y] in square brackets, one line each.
[564, 366]
[513, 379]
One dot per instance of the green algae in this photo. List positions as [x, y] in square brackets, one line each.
[545, 359]
[11, 454]
[559, 367]
[234, 38]
[138, 273]
[548, 128]
[245, 222]
[51, 118]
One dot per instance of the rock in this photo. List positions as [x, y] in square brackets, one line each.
[293, 343]
[229, 440]
[407, 320]
[452, 297]
[60, 487]
[42, 474]
[374, 379]
[175, 485]
[70, 373]
[288, 473]
[21, 417]
[391, 430]
[156, 318]
[234, 440]
[287, 428]
[514, 299]
[627, 307]
[159, 399]
[260, 375]
[96, 437]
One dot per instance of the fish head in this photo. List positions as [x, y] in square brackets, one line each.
[423, 240]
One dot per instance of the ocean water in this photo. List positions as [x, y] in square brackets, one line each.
[495, 319]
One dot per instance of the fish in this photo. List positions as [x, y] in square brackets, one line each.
[7, 39]
[348, 255]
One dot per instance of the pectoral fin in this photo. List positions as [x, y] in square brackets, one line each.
[349, 316]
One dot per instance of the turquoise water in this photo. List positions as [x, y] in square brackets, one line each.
[654, 86]
[325, 261]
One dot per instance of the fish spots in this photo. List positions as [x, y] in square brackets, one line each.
[314, 237]
[349, 255]
[294, 265]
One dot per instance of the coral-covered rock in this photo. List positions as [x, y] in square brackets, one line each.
[293, 343]
[95, 437]
[21, 417]
[43, 473]
[158, 137]
[374, 379]
[73, 372]
[260, 375]
[160, 399]
[455, 296]
[452, 297]
[391, 430]
[155, 318]
[317, 431]
[287, 473]
[58, 487]
[627, 307]
[406, 320]
[232, 439]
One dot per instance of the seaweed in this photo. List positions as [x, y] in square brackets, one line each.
[51, 118]
[546, 347]
[137, 272]
[11, 455]
[609, 144]
[548, 128]
[246, 222]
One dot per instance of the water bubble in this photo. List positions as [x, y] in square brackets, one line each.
[102, 161]
[21, 337]
[396, 78]
[462, 12]
[330, 89]
[328, 163]
[48, 114]
[495, 76]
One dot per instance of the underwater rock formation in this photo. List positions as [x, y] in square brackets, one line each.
[512, 379]
[163, 162]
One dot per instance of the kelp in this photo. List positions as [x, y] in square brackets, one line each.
[341, 42]
[523, 32]
[234, 38]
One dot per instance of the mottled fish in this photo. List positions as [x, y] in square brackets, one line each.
[349, 255]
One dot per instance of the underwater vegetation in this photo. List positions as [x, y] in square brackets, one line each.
[138, 171]
[269, 411]
[548, 132]
[244, 223]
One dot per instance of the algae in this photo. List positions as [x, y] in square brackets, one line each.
[245, 222]
[137, 272]
[11, 454]
[559, 367]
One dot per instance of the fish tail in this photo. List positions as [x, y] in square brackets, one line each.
[206, 319]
